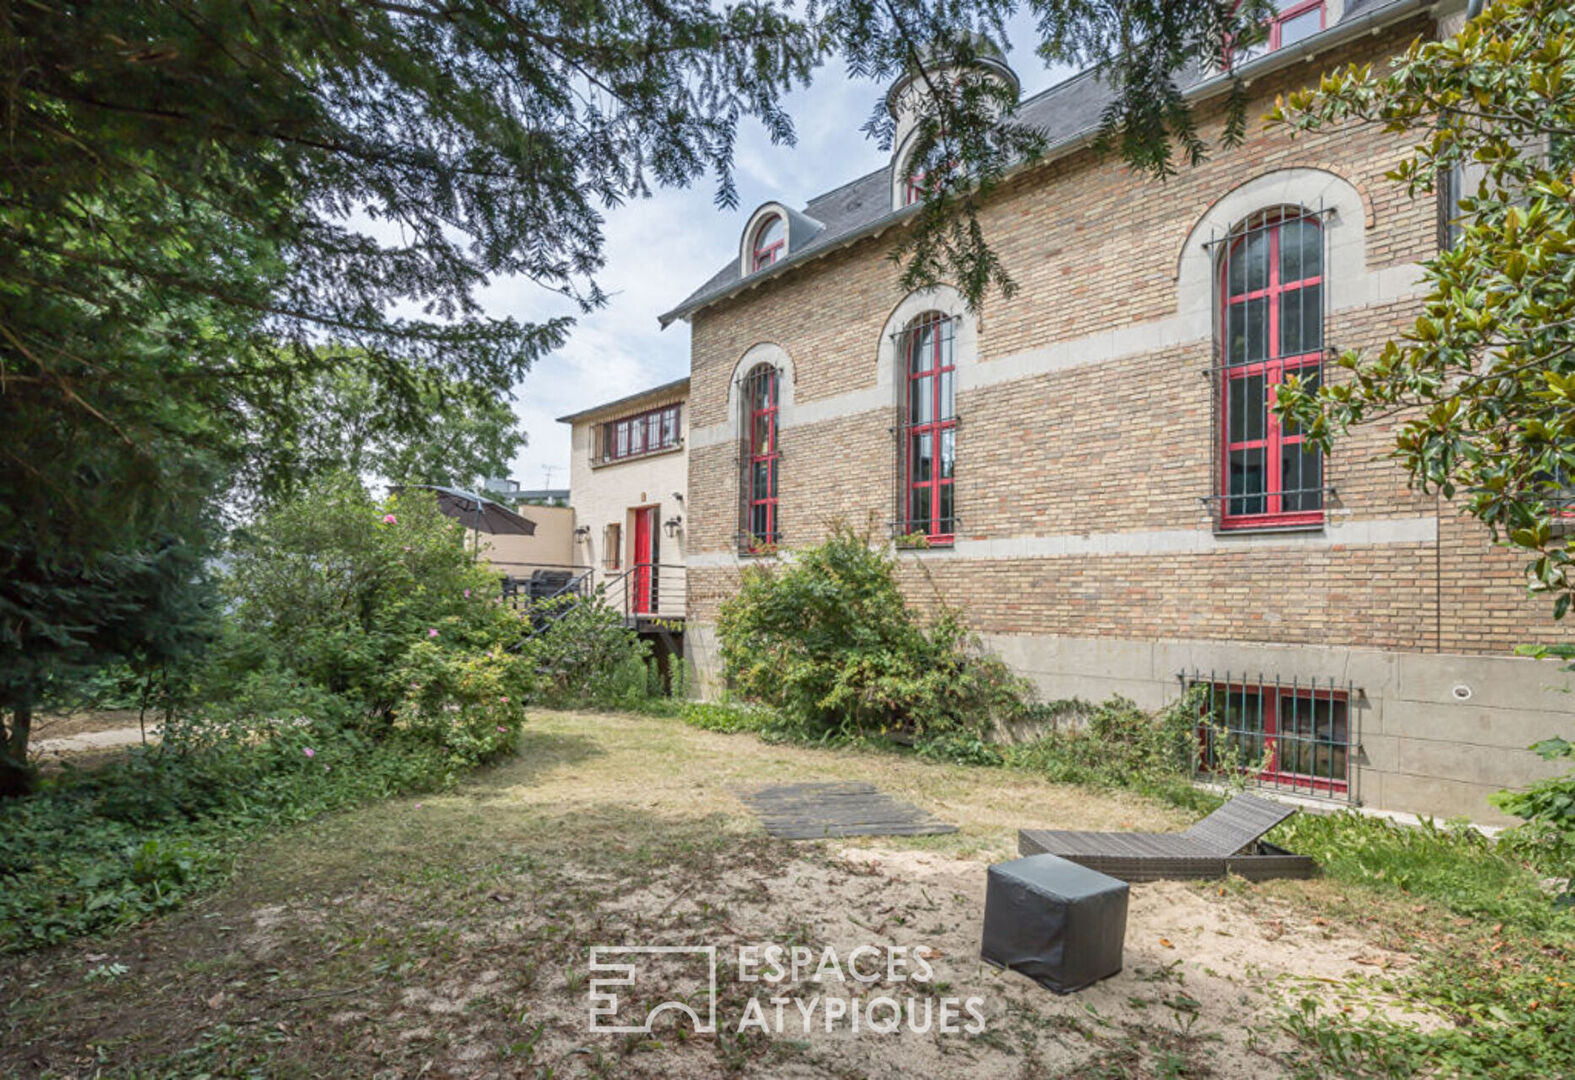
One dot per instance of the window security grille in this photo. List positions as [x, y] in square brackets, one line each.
[1301, 737]
[1271, 292]
[759, 457]
[926, 430]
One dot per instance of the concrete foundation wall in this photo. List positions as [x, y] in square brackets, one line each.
[1420, 748]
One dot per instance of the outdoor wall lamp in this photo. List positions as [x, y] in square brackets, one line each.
[672, 525]
[582, 533]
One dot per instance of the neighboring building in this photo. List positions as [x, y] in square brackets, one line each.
[551, 547]
[1093, 464]
[629, 475]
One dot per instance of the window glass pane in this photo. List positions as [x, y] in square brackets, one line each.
[757, 521]
[948, 409]
[921, 400]
[1299, 27]
[1249, 263]
[636, 437]
[653, 430]
[1240, 710]
[670, 427]
[946, 329]
[1301, 477]
[948, 452]
[770, 233]
[1246, 482]
[760, 438]
[1249, 331]
[1247, 408]
[1301, 321]
[1301, 251]
[947, 525]
[623, 438]
[921, 351]
[919, 509]
[920, 461]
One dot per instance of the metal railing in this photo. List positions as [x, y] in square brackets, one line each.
[526, 583]
[639, 592]
[648, 591]
[1299, 736]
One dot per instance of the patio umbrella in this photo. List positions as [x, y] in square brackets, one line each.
[475, 512]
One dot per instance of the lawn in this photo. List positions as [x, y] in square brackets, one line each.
[450, 935]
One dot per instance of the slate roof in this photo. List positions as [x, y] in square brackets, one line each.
[1066, 113]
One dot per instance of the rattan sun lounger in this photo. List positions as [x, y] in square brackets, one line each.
[1228, 841]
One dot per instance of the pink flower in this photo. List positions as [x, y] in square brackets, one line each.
[467, 594]
[309, 752]
[502, 728]
[504, 699]
[432, 631]
[390, 519]
[418, 806]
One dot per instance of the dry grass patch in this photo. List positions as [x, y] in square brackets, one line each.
[449, 936]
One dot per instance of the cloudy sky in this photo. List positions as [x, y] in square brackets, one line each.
[660, 249]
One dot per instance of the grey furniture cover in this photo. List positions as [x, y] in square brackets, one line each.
[1061, 924]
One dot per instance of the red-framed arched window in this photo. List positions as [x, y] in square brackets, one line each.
[770, 242]
[929, 445]
[1272, 282]
[761, 410]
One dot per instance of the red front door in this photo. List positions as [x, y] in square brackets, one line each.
[644, 557]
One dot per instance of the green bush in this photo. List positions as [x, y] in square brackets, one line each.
[93, 851]
[1116, 744]
[364, 653]
[381, 607]
[828, 641]
[584, 656]
[1547, 839]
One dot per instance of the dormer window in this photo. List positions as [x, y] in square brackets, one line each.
[1296, 20]
[770, 242]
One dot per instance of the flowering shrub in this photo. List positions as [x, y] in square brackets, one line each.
[383, 608]
[471, 705]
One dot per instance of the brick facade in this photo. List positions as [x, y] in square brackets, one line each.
[1082, 482]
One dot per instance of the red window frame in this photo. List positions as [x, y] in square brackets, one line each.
[930, 361]
[764, 256]
[1275, 437]
[1273, 699]
[1276, 26]
[914, 191]
[762, 410]
[648, 432]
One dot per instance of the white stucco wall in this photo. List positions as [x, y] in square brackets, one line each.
[610, 493]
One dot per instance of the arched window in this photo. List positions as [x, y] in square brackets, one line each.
[761, 401]
[929, 428]
[769, 243]
[1271, 280]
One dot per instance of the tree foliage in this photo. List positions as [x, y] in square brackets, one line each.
[349, 421]
[212, 209]
[1484, 382]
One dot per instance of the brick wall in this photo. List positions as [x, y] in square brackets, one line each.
[1121, 448]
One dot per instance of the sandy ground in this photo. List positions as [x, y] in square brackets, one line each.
[452, 936]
